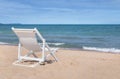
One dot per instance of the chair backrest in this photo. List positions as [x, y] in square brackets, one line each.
[28, 39]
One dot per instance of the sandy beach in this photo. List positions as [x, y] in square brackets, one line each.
[72, 64]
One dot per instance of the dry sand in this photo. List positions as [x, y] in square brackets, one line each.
[72, 64]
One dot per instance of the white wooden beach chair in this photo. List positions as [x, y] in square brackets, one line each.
[28, 38]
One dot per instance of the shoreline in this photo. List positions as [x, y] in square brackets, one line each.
[74, 49]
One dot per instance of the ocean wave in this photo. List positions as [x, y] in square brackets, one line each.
[3, 43]
[56, 44]
[112, 50]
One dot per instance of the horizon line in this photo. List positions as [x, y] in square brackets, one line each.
[60, 24]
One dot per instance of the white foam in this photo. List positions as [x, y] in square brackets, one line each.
[57, 44]
[2, 43]
[113, 50]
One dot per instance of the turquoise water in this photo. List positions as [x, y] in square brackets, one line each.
[69, 36]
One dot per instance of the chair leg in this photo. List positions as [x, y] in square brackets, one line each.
[53, 55]
[34, 55]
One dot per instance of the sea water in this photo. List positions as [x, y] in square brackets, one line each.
[99, 37]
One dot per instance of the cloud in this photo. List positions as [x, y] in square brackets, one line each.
[7, 7]
[59, 9]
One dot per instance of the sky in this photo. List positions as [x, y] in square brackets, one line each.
[60, 11]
